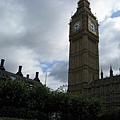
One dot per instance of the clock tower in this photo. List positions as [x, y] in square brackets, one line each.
[83, 51]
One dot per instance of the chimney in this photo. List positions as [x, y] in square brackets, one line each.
[36, 77]
[27, 76]
[2, 64]
[19, 71]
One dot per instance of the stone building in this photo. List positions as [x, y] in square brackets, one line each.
[83, 78]
[5, 75]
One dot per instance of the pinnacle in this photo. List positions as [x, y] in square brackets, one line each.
[83, 0]
[83, 3]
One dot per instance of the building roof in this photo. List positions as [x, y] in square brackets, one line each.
[5, 75]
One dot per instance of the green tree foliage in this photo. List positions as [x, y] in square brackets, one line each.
[13, 94]
[17, 99]
[39, 99]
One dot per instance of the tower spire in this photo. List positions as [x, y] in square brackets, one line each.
[101, 74]
[83, 4]
[111, 71]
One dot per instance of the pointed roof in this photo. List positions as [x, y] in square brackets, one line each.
[111, 68]
[83, 3]
[111, 71]
[82, 0]
[101, 70]
[101, 74]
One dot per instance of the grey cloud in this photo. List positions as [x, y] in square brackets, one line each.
[109, 46]
[39, 26]
[42, 24]
[60, 72]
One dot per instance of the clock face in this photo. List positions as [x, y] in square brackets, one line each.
[76, 25]
[92, 26]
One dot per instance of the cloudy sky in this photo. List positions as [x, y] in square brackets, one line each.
[34, 34]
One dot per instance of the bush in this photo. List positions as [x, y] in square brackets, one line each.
[19, 100]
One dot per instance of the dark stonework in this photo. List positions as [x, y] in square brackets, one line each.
[83, 76]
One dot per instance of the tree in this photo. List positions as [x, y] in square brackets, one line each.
[13, 95]
[39, 99]
[18, 99]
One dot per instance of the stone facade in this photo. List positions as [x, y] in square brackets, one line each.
[106, 89]
[83, 55]
[83, 78]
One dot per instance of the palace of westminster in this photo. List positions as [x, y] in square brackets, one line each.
[83, 76]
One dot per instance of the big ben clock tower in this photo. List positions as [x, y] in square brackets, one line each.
[83, 53]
